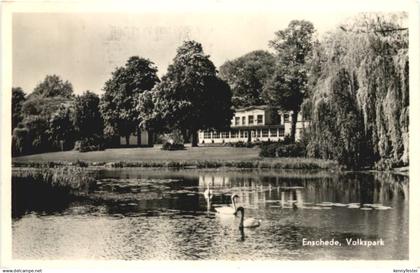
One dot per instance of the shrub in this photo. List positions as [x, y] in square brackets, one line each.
[291, 150]
[268, 149]
[241, 144]
[168, 146]
[386, 164]
[21, 143]
[93, 143]
[281, 149]
[80, 163]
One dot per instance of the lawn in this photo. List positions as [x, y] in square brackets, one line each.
[200, 157]
[142, 154]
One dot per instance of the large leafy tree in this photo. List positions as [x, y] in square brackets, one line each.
[44, 123]
[247, 76]
[289, 83]
[87, 117]
[47, 97]
[190, 96]
[119, 102]
[53, 86]
[18, 98]
[61, 128]
[366, 62]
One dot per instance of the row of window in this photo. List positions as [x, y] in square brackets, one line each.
[250, 120]
[244, 134]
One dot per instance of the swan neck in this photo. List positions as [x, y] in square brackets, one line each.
[242, 218]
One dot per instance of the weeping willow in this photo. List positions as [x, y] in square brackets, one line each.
[360, 93]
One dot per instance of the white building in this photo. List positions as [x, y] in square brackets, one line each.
[255, 123]
[141, 138]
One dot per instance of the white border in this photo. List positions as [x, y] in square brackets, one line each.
[7, 8]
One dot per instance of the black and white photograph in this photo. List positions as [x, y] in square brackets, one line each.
[208, 134]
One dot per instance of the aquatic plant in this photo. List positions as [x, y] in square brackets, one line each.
[73, 180]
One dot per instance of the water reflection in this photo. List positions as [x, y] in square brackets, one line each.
[155, 214]
[352, 190]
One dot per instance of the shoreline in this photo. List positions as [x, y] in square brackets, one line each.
[278, 163]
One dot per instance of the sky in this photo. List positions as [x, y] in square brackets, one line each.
[84, 48]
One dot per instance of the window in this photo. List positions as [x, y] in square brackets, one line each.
[250, 119]
[241, 134]
[281, 132]
[207, 134]
[259, 119]
[286, 117]
[273, 132]
[252, 133]
[264, 132]
[216, 134]
[234, 133]
[236, 120]
[243, 120]
[225, 135]
[258, 133]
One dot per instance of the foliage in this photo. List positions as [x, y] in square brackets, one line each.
[268, 149]
[87, 117]
[88, 144]
[241, 144]
[119, 103]
[21, 143]
[247, 75]
[360, 101]
[190, 96]
[41, 106]
[291, 150]
[283, 149]
[74, 180]
[32, 137]
[45, 118]
[61, 129]
[168, 146]
[53, 86]
[18, 98]
[288, 85]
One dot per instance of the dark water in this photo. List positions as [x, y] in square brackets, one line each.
[162, 214]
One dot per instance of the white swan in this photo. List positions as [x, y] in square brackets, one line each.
[208, 193]
[249, 222]
[228, 209]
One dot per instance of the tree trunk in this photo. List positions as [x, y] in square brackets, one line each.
[127, 140]
[294, 121]
[194, 138]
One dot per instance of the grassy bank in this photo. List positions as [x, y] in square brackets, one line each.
[198, 157]
[279, 163]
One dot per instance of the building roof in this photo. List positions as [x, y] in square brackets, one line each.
[258, 107]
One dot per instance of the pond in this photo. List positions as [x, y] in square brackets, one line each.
[143, 214]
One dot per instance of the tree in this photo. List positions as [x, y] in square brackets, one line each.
[61, 128]
[362, 79]
[18, 98]
[47, 97]
[37, 134]
[53, 86]
[247, 76]
[119, 103]
[190, 96]
[338, 130]
[40, 111]
[87, 117]
[289, 83]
